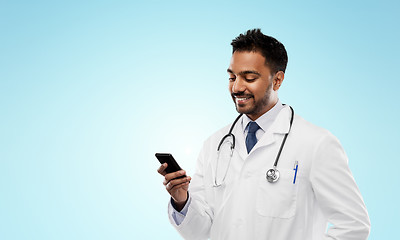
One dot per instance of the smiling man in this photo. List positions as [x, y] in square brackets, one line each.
[270, 174]
[251, 83]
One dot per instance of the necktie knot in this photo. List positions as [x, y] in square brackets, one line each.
[253, 127]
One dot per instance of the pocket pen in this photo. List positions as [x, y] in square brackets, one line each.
[295, 167]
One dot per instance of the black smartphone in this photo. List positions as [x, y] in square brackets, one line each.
[173, 166]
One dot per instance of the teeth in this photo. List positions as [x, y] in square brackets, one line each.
[241, 99]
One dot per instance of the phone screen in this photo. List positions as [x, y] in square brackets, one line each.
[173, 166]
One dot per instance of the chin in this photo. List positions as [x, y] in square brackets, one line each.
[244, 110]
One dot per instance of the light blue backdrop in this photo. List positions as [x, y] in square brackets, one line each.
[89, 91]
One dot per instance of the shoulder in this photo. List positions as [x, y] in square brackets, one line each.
[214, 139]
[210, 145]
[316, 144]
[308, 131]
[219, 134]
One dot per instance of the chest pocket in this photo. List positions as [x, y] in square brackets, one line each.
[277, 199]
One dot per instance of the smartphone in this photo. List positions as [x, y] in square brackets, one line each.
[173, 166]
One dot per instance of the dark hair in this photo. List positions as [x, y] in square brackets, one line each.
[270, 48]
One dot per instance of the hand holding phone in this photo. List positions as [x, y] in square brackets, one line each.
[173, 166]
[176, 182]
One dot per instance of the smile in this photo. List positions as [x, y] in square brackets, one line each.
[242, 100]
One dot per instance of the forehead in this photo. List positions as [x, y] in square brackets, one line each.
[248, 61]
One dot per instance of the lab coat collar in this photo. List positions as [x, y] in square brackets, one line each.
[282, 122]
[240, 146]
[266, 120]
[280, 126]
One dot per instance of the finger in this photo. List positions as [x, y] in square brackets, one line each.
[176, 182]
[182, 185]
[161, 169]
[165, 181]
[170, 176]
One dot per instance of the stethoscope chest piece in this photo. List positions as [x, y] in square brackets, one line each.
[272, 175]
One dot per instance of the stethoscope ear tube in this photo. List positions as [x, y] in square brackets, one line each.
[230, 134]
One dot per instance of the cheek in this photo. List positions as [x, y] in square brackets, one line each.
[230, 85]
[259, 92]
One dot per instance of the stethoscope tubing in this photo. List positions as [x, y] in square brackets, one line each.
[273, 173]
[230, 134]
[284, 139]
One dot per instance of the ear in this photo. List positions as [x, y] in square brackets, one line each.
[278, 79]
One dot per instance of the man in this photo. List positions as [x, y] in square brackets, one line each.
[235, 194]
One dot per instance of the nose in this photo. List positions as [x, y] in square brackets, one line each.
[239, 85]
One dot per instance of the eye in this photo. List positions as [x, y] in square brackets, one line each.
[250, 78]
[232, 78]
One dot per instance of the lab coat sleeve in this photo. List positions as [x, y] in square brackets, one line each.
[198, 219]
[179, 216]
[337, 193]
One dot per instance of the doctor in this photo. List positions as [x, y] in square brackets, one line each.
[231, 196]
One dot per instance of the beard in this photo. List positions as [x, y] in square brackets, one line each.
[257, 106]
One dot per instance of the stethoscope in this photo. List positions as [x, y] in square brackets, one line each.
[272, 174]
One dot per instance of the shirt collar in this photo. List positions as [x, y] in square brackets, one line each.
[264, 121]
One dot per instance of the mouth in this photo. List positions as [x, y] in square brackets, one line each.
[242, 100]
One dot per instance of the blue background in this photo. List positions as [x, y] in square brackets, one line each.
[89, 91]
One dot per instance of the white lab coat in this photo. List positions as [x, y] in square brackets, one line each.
[247, 206]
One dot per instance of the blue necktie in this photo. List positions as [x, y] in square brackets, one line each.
[251, 139]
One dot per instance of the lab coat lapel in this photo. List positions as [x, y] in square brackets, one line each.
[239, 155]
[279, 126]
[240, 141]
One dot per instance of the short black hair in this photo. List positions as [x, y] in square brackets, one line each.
[271, 49]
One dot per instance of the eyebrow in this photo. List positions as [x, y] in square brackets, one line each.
[244, 72]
